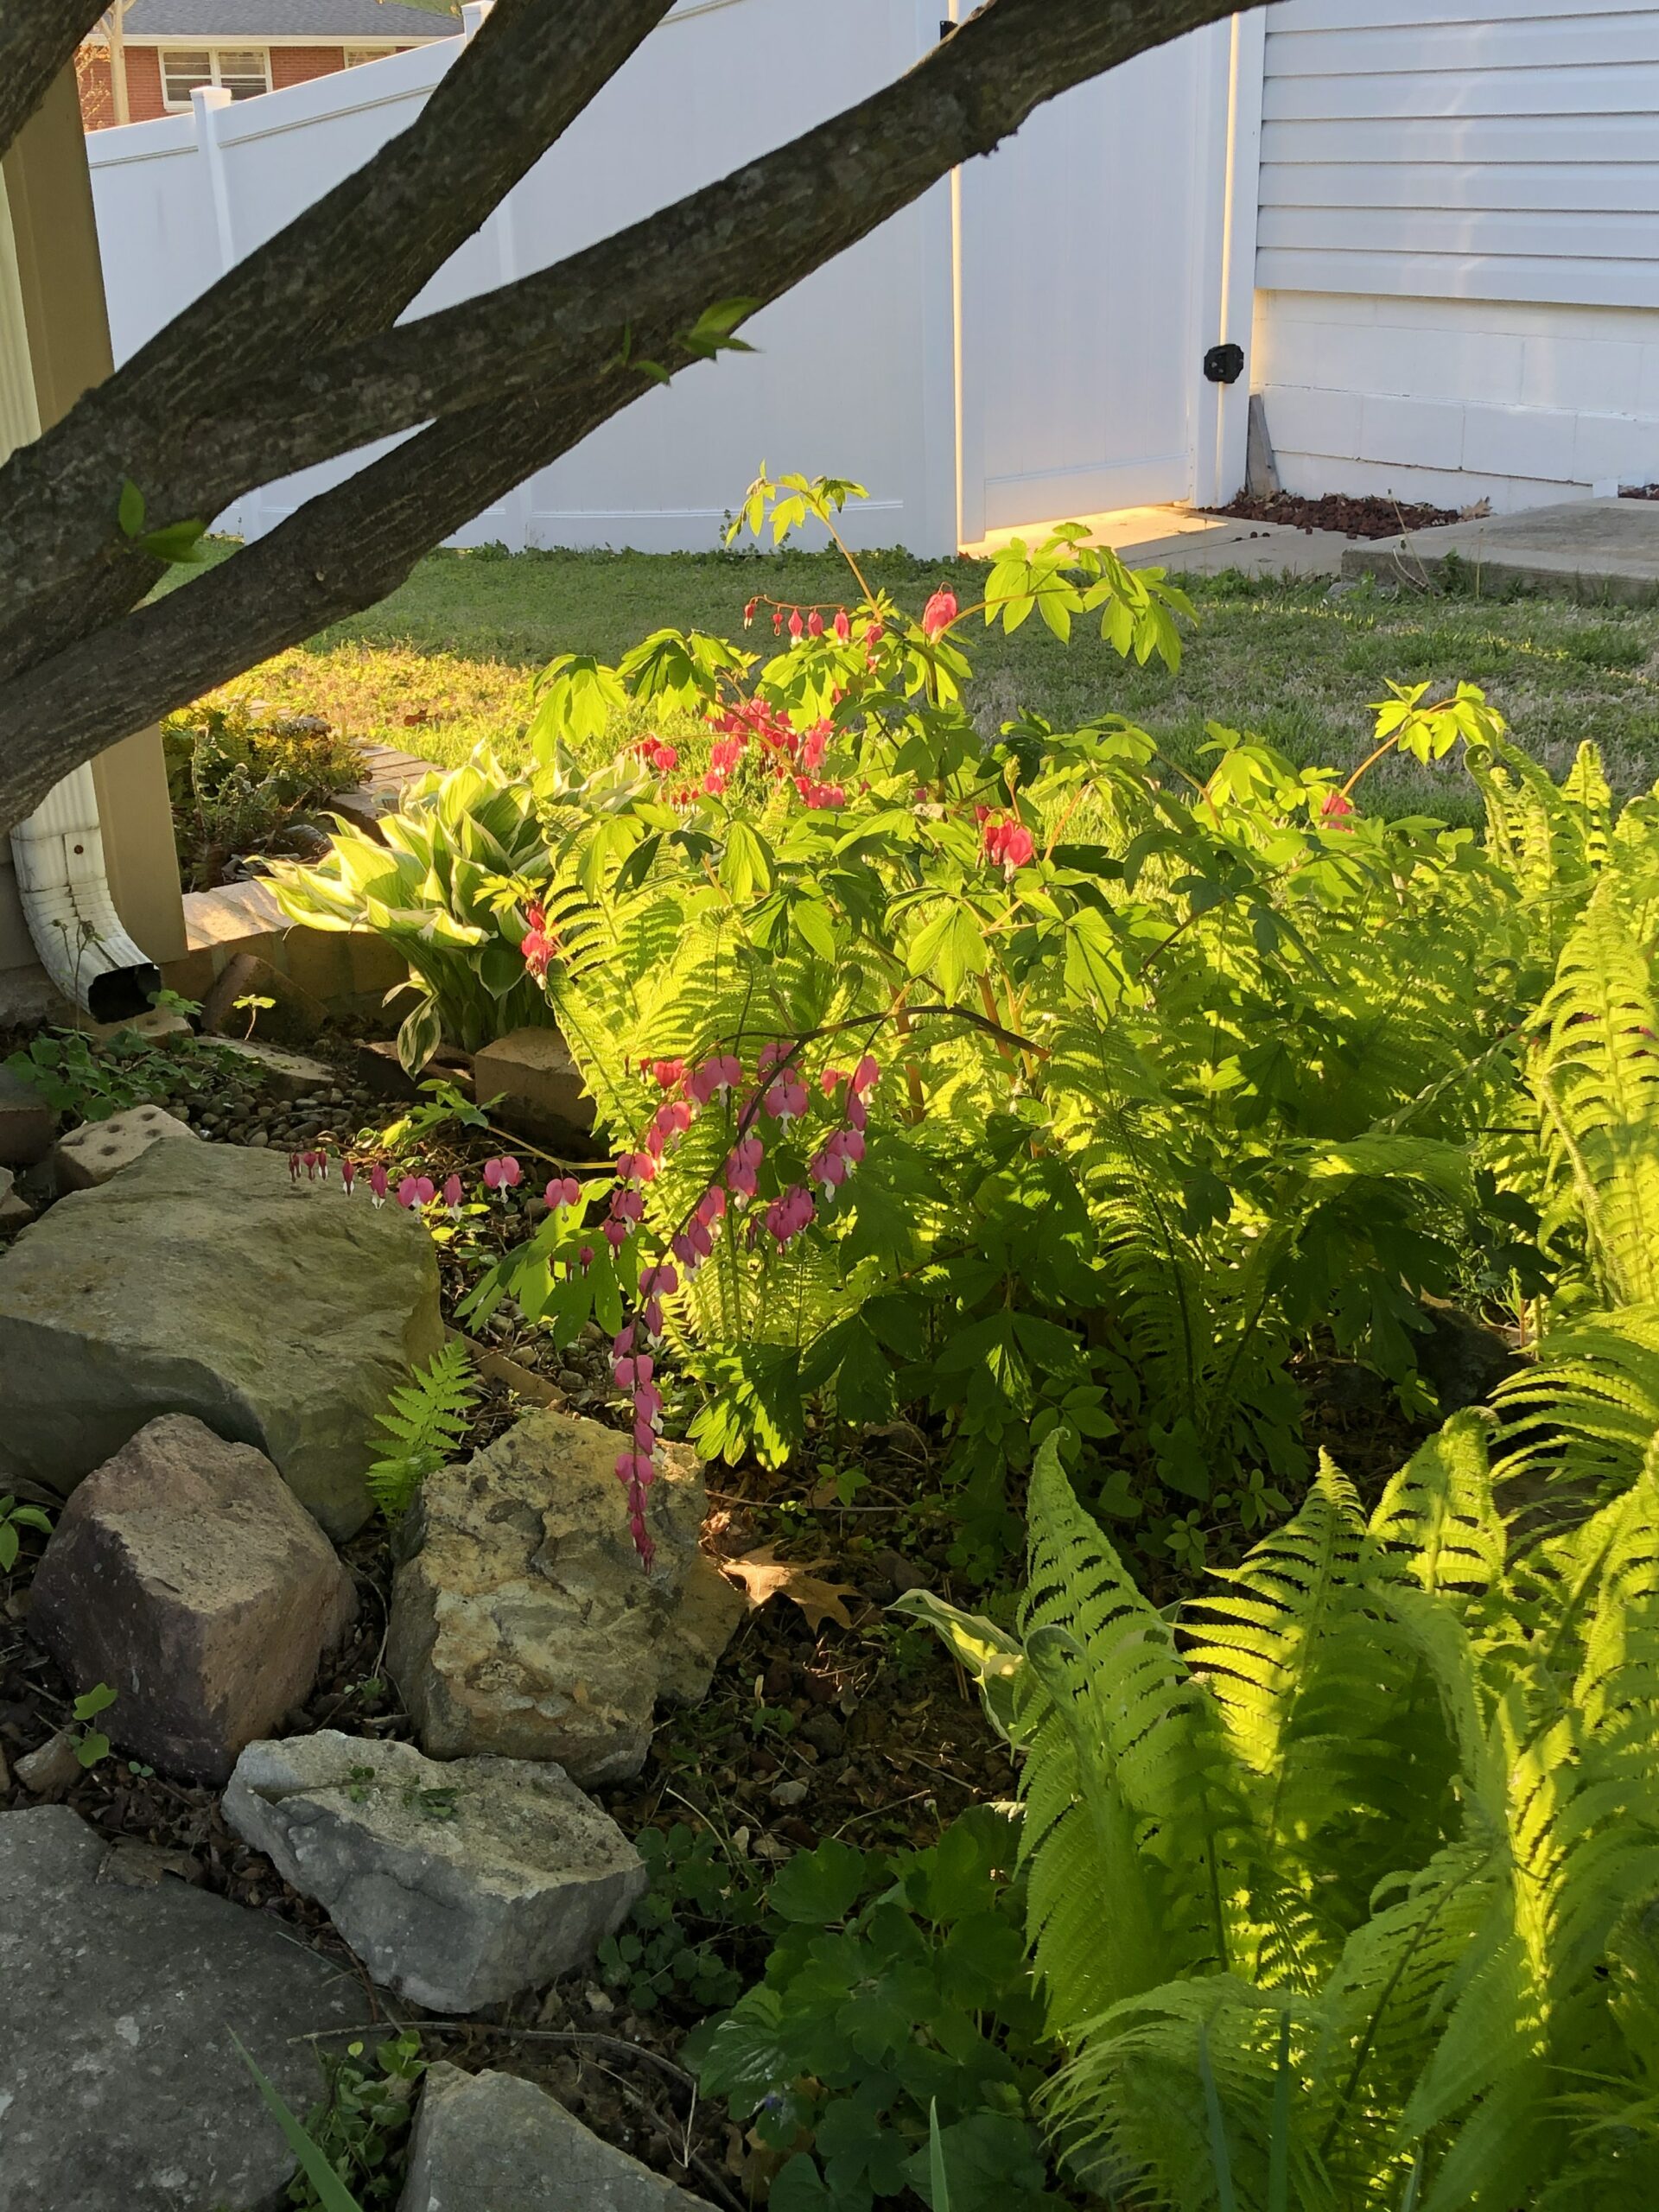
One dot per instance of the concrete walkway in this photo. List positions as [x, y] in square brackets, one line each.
[1190, 544]
[1601, 548]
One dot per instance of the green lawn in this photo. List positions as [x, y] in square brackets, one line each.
[444, 661]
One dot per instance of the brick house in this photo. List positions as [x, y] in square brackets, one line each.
[170, 46]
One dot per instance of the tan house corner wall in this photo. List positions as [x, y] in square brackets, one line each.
[49, 190]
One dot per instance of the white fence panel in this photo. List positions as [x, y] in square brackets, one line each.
[853, 377]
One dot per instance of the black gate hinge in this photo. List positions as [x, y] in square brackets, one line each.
[1225, 364]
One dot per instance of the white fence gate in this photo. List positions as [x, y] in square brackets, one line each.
[1021, 343]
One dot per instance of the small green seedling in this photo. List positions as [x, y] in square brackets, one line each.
[13, 1516]
[93, 1743]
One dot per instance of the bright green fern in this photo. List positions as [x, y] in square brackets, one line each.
[425, 1424]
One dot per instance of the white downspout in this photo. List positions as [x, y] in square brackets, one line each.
[58, 852]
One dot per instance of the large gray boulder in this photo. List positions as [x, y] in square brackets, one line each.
[204, 1280]
[120, 2087]
[492, 2143]
[186, 1574]
[523, 1621]
[457, 1884]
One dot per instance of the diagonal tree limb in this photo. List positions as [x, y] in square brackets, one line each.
[344, 268]
[755, 232]
[38, 38]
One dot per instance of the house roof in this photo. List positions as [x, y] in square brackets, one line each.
[257, 19]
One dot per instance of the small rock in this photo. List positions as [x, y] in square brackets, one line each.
[787, 1793]
[97, 1150]
[50, 1770]
[903, 1573]
[123, 2089]
[824, 1732]
[27, 1122]
[492, 2140]
[458, 1885]
[15, 1212]
[284, 1074]
[522, 1622]
[537, 1084]
[187, 1575]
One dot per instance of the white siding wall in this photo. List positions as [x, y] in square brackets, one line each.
[1457, 240]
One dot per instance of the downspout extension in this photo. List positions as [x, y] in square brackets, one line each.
[58, 854]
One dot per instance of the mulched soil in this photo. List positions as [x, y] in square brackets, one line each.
[1354, 516]
[882, 1743]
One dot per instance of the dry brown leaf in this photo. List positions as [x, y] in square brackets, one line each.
[764, 1577]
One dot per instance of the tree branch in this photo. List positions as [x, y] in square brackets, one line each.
[343, 269]
[349, 547]
[37, 39]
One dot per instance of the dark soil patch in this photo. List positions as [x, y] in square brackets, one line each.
[1354, 516]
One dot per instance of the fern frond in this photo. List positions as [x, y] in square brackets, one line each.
[425, 1424]
[1596, 1073]
[1136, 1832]
[1586, 1416]
[1437, 1518]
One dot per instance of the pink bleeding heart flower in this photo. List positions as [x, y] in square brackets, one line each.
[1337, 811]
[843, 625]
[785, 1101]
[796, 625]
[939, 613]
[562, 1191]
[866, 1075]
[502, 1175]
[616, 1234]
[787, 1216]
[378, 1180]
[415, 1190]
[347, 1175]
[815, 623]
[585, 1258]
[453, 1194]
[711, 1206]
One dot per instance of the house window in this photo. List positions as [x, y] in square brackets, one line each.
[243, 72]
[354, 54]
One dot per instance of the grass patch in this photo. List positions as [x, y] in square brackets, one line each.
[445, 661]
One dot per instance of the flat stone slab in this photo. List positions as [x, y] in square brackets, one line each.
[491, 2142]
[186, 1574]
[522, 1622]
[1606, 549]
[203, 1280]
[120, 2087]
[458, 1883]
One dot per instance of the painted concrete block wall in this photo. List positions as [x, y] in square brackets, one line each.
[1457, 400]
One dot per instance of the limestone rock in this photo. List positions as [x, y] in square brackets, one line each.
[186, 1574]
[284, 1074]
[492, 2140]
[537, 1084]
[522, 1622]
[27, 1122]
[15, 1212]
[50, 1770]
[203, 1280]
[458, 1885]
[120, 2087]
[96, 1150]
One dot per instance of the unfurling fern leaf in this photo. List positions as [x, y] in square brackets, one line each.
[424, 1424]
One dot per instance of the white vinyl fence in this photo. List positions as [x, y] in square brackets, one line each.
[1021, 349]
